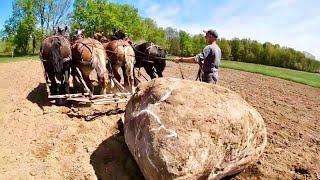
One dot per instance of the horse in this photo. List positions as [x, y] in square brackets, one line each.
[121, 55]
[151, 57]
[55, 53]
[88, 54]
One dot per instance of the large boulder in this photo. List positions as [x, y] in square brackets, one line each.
[180, 129]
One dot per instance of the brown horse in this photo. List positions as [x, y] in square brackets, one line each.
[55, 53]
[89, 55]
[122, 56]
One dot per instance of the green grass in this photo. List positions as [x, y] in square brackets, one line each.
[6, 59]
[312, 79]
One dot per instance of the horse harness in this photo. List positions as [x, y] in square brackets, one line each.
[64, 60]
[85, 45]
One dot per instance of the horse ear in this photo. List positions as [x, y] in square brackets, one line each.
[65, 28]
[59, 30]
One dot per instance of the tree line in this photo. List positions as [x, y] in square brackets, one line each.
[33, 20]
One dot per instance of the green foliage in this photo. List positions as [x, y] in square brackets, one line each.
[7, 58]
[308, 78]
[246, 50]
[34, 19]
[225, 48]
[23, 25]
[98, 15]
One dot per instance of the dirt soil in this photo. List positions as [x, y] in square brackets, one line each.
[43, 141]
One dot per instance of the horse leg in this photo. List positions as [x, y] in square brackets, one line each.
[128, 75]
[160, 67]
[53, 86]
[64, 89]
[51, 76]
[125, 76]
[150, 71]
[89, 84]
[116, 73]
[159, 74]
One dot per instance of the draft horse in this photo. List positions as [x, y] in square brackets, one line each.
[90, 57]
[121, 55]
[55, 53]
[151, 57]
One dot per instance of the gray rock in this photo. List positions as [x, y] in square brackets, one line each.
[180, 129]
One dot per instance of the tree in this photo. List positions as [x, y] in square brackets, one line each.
[185, 43]
[237, 50]
[28, 15]
[51, 13]
[225, 48]
[21, 24]
[172, 37]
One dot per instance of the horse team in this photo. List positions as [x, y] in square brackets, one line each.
[98, 59]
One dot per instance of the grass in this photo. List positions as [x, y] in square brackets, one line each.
[312, 79]
[6, 59]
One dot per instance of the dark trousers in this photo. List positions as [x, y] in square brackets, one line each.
[210, 77]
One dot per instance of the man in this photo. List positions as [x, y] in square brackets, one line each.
[209, 59]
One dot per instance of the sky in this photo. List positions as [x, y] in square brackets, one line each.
[290, 23]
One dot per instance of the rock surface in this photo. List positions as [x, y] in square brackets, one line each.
[180, 129]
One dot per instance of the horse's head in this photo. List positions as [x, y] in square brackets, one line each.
[162, 52]
[79, 34]
[62, 32]
[54, 32]
[128, 40]
[157, 50]
[118, 34]
[100, 37]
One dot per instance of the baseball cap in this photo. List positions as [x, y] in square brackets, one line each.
[212, 32]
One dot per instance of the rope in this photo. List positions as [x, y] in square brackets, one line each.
[180, 68]
[142, 75]
[148, 55]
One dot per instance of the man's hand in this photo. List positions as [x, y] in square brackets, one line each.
[176, 59]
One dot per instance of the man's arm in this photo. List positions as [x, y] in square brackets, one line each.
[196, 59]
[184, 59]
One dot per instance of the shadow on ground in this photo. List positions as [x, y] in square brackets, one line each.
[39, 96]
[112, 160]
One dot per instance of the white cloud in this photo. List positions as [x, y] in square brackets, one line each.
[289, 23]
[164, 16]
[281, 3]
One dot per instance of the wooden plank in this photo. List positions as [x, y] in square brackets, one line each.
[118, 85]
[67, 95]
[79, 99]
[109, 102]
[111, 95]
[111, 99]
[82, 81]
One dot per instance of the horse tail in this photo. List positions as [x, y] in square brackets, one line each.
[129, 56]
[99, 62]
[57, 59]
